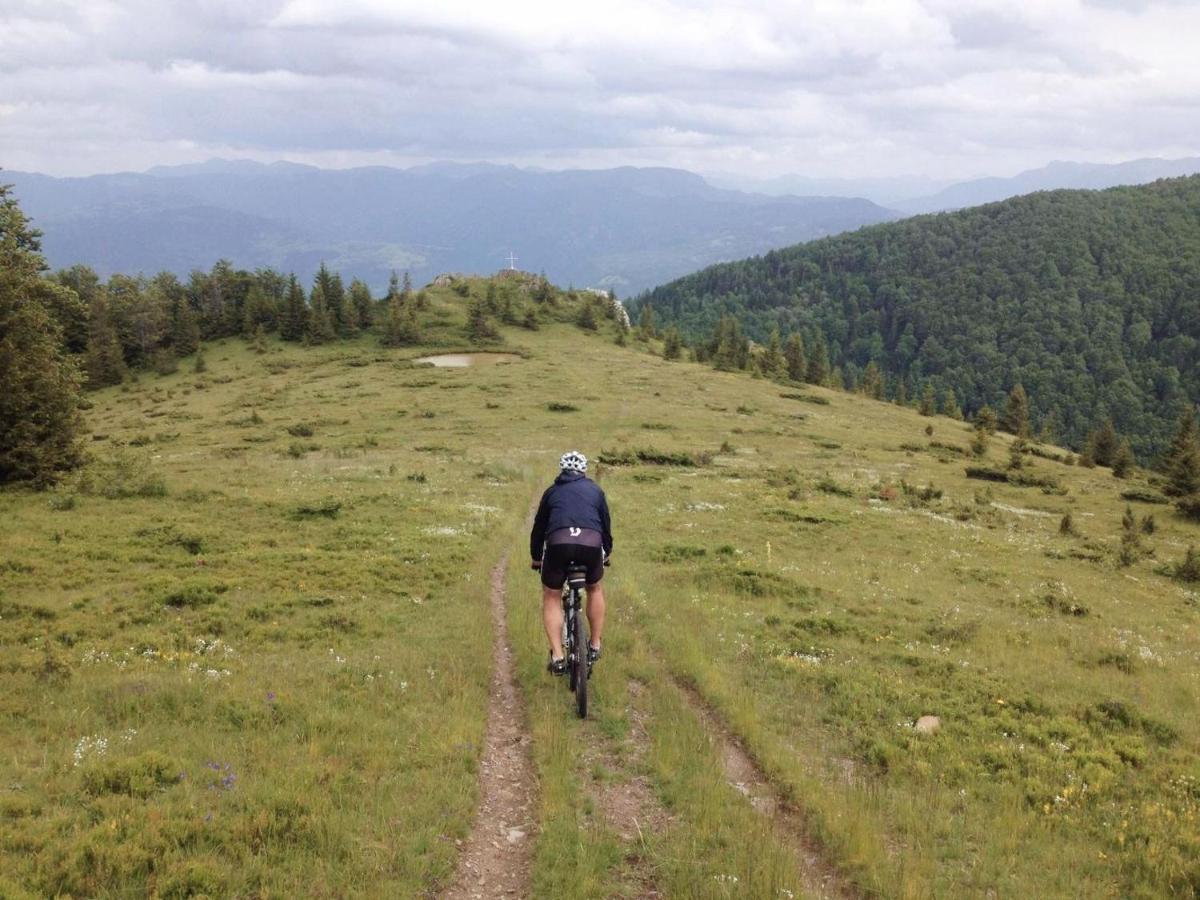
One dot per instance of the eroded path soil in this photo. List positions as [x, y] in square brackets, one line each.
[497, 857]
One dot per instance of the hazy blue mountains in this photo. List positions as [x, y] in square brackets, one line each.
[627, 228]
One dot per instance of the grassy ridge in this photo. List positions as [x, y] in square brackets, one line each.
[265, 671]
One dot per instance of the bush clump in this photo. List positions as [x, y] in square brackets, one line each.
[653, 457]
[327, 509]
[193, 595]
[136, 776]
[121, 474]
[805, 398]
[1142, 495]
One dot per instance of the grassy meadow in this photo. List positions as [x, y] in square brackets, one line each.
[247, 652]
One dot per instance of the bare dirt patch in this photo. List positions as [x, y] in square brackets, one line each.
[497, 857]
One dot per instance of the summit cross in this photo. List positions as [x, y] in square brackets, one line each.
[512, 260]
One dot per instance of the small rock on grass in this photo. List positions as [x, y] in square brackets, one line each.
[928, 724]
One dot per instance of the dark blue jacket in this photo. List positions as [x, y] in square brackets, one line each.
[573, 499]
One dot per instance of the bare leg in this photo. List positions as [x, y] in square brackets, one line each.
[552, 615]
[595, 613]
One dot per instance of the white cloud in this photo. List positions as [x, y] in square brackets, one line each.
[828, 87]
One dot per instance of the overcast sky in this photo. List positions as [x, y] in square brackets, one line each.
[942, 88]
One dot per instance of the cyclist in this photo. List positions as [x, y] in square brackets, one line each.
[572, 525]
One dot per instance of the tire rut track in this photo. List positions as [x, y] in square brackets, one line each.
[820, 877]
[497, 857]
[627, 802]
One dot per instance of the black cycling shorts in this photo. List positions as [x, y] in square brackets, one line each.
[572, 545]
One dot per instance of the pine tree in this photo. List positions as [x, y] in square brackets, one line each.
[672, 343]
[872, 381]
[256, 311]
[646, 327]
[295, 313]
[1131, 539]
[587, 316]
[818, 362]
[774, 364]
[479, 327]
[105, 361]
[40, 424]
[901, 396]
[979, 442]
[183, 331]
[530, 322]
[348, 317]
[1123, 461]
[360, 299]
[1103, 444]
[731, 349]
[986, 419]
[260, 340]
[333, 293]
[321, 327]
[402, 326]
[1181, 463]
[928, 400]
[950, 405]
[793, 352]
[1016, 413]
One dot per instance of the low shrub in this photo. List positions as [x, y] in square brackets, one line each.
[1189, 507]
[327, 509]
[193, 595]
[121, 474]
[300, 429]
[654, 457]
[828, 486]
[805, 398]
[555, 406]
[1143, 495]
[678, 553]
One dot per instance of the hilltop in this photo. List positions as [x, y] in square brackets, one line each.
[1088, 299]
[626, 229]
[246, 649]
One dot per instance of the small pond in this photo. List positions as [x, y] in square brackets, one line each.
[462, 360]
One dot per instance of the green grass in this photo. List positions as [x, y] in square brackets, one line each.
[247, 653]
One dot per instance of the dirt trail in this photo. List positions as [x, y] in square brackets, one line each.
[497, 857]
[821, 879]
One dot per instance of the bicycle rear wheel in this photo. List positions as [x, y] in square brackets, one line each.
[569, 641]
[579, 672]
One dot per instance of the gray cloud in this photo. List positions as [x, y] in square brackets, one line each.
[872, 87]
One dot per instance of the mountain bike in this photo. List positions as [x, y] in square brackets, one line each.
[575, 643]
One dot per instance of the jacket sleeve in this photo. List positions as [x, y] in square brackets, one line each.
[605, 524]
[537, 536]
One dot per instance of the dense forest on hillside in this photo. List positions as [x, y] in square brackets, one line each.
[1090, 300]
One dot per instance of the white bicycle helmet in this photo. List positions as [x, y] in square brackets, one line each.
[573, 461]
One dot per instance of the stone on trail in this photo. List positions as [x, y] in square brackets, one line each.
[928, 724]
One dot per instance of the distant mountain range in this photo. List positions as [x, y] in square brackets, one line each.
[1055, 176]
[921, 195]
[627, 229]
